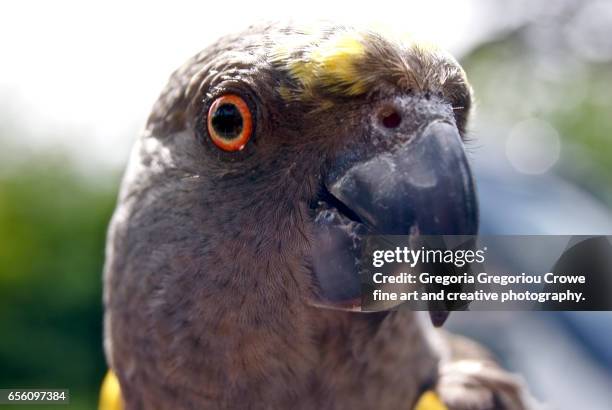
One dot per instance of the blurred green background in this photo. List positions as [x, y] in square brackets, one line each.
[54, 210]
[53, 224]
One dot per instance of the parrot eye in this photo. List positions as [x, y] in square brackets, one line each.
[230, 123]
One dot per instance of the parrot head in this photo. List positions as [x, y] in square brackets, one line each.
[265, 161]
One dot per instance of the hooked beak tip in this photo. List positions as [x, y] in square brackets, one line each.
[438, 318]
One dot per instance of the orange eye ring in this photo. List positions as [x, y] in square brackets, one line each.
[230, 123]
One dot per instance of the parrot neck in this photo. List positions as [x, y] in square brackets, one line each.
[224, 323]
[378, 360]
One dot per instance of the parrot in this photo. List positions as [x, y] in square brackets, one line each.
[229, 278]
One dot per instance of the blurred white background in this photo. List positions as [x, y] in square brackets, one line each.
[84, 75]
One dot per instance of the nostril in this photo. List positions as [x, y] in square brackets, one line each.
[391, 119]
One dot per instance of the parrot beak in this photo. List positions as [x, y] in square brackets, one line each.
[422, 186]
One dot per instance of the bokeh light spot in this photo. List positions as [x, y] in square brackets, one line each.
[533, 146]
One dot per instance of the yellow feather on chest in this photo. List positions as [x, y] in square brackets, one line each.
[430, 401]
[110, 393]
[110, 396]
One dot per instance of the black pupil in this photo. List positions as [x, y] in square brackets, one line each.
[227, 121]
